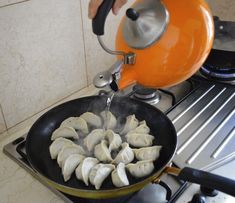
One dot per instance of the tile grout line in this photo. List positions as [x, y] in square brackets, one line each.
[5, 123]
[87, 81]
[46, 108]
[11, 4]
[84, 43]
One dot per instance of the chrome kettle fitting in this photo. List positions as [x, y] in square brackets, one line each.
[112, 75]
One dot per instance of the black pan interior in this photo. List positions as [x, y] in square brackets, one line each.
[38, 139]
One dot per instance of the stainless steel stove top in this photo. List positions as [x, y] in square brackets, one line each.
[205, 125]
[203, 113]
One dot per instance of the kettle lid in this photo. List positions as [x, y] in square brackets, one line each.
[146, 22]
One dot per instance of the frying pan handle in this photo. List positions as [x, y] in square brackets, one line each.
[99, 21]
[208, 180]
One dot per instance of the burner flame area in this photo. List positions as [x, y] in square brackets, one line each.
[148, 95]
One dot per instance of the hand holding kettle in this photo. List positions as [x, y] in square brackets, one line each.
[95, 4]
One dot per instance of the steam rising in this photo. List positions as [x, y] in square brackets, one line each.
[119, 107]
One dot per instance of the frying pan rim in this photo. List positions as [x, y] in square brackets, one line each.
[154, 176]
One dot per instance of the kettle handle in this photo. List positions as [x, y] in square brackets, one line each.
[99, 21]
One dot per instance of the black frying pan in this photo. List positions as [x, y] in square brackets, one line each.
[38, 142]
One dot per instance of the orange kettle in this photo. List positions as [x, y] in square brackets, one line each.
[160, 43]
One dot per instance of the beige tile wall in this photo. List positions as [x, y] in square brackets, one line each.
[48, 51]
[225, 9]
[41, 56]
[10, 2]
[2, 122]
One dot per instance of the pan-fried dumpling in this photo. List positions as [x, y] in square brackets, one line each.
[99, 173]
[139, 139]
[131, 124]
[64, 131]
[109, 119]
[119, 177]
[92, 119]
[147, 153]
[77, 123]
[102, 152]
[68, 150]
[141, 168]
[70, 165]
[126, 155]
[94, 138]
[57, 145]
[83, 170]
[114, 139]
[142, 128]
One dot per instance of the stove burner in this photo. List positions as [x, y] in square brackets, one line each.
[149, 95]
[219, 66]
[223, 75]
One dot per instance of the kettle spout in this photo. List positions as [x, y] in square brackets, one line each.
[109, 78]
[116, 78]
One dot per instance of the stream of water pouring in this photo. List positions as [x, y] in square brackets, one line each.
[108, 104]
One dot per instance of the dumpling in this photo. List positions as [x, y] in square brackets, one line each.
[102, 152]
[114, 139]
[147, 153]
[142, 128]
[70, 165]
[119, 177]
[68, 150]
[131, 124]
[139, 139]
[92, 119]
[64, 131]
[83, 170]
[109, 119]
[126, 155]
[57, 145]
[99, 173]
[77, 123]
[141, 168]
[94, 138]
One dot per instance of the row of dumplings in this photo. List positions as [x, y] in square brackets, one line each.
[73, 127]
[136, 133]
[71, 158]
[100, 143]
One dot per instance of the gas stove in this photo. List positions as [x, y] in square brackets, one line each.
[203, 113]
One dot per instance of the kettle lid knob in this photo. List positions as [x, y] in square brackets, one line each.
[132, 14]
